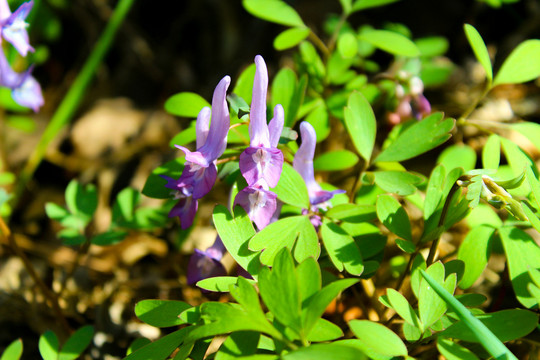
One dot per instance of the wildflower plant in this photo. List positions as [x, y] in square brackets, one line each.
[339, 242]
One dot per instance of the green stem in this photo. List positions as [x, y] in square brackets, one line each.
[71, 101]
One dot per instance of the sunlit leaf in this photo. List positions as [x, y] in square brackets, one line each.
[480, 49]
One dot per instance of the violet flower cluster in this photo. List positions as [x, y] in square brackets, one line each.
[200, 171]
[261, 163]
[25, 89]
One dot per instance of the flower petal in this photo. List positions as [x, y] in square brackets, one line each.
[185, 209]
[28, 94]
[258, 163]
[201, 126]
[275, 127]
[303, 159]
[216, 142]
[258, 128]
[259, 203]
[5, 12]
[201, 266]
[14, 29]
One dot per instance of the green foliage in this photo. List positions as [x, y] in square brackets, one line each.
[75, 345]
[480, 50]
[13, 351]
[522, 64]
[185, 104]
[361, 124]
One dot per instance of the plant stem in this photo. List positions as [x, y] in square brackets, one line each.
[48, 293]
[73, 98]
[435, 243]
[319, 43]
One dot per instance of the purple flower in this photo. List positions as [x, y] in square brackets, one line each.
[25, 89]
[200, 171]
[206, 264]
[14, 26]
[262, 159]
[303, 163]
[259, 203]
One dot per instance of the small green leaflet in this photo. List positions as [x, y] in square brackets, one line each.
[13, 351]
[366, 4]
[276, 11]
[419, 138]
[393, 216]
[480, 49]
[523, 64]
[335, 160]
[376, 338]
[361, 124]
[161, 313]
[290, 37]
[185, 104]
[391, 42]
[291, 188]
[342, 249]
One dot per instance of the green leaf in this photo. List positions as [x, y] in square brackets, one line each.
[347, 45]
[294, 232]
[431, 307]
[397, 182]
[279, 291]
[312, 60]
[377, 338]
[455, 156]
[77, 343]
[155, 184]
[419, 138]
[324, 330]
[161, 313]
[402, 307]
[109, 238]
[480, 49]
[324, 352]
[318, 118]
[235, 234]
[474, 252]
[13, 351]
[341, 248]
[246, 295]
[48, 345]
[290, 37]
[352, 213]
[137, 344]
[219, 283]
[483, 214]
[276, 11]
[534, 184]
[283, 89]
[162, 348]
[55, 212]
[522, 253]
[523, 64]
[346, 5]
[491, 153]
[291, 188]
[452, 351]
[335, 160]
[185, 136]
[81, 200]
[238, 344]
[530, 130]
[320, 301]
[21, 122]
[406, 245]
[366, 4]
[309, 279]
[361, 124]
[244, 84]
[434, 191]
[506, 325]
[185, 104]
[390, 42]
[490, 342]
[393, 216]
[432, 46]
[124, 206]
